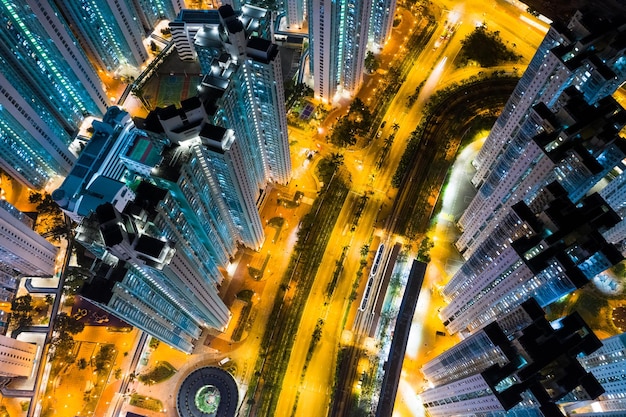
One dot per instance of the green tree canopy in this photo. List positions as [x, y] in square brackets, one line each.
[371, 63]
[486, 48]
[67, 324]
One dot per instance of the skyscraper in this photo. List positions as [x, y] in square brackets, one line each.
[22, 250]
[576, 144]
[47, 86]
[150, 214]
[555, 152]
[17, 358]
[520, 365]
[295, 13]
[381, 22]
[244, 79]
[338, 36]
[215, 184]
[544, 254]
[145, 279]
[587, 55]
[150, 12]
[108, 31]
[607, 366]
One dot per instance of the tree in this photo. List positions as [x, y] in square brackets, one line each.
[371, 63]
[67, 324]
[34, 198]
[486, 48]
[75, 277]
[336, 159]
[63, 345]
[22, 304]
[104, 357]
[45, 203]
[82, 363]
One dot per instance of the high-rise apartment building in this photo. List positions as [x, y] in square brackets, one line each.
[167, 200]
[150, 212]
[109, 31]
[520, 365]
[607, 365]
[146, 279]
[587, 55]
[381, 22]
[22, 250]
[214, 178]
[17, 358]
[549, 212]
[544, 250]
[47, 87]
[150, 12]
[244, 79]
[338, 36]
[576, 144]
[295, 13]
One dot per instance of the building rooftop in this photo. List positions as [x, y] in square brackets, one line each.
[210, 17]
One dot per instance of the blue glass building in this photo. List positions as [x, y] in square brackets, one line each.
[109, 31]
[48, 86]
[243, 83]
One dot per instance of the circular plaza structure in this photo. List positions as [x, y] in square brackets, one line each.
[207, 392]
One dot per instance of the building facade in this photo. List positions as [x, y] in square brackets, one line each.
[521, 365]
[587, 54]
[243, 78]
[607, 366]
[109, 31]
[23, 252]
[147, 280]
[17, 358]
[48, 86]
[538, 251]
[576, 144]
[381, 22]
[338, 36]
[556, 150]
[150, 12]
[295, 13]
[164, 203]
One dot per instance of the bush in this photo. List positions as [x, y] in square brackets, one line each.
[161, 372]
[148, 403]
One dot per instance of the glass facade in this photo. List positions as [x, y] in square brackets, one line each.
[109, 30]
[48, 87]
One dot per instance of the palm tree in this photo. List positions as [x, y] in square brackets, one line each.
[395, 127]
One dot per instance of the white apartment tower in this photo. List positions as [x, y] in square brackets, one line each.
[338, 36]
[588, 54]
[22, 250]
[607, 365]
[521, 365]
[16, 357]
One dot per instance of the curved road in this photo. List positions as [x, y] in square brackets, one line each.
[433, 159]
